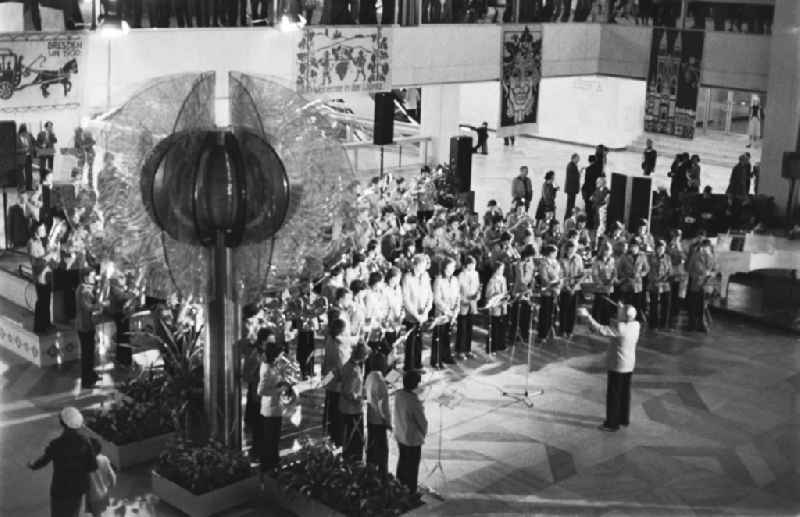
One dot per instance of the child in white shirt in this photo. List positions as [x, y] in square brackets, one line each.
[100, 482]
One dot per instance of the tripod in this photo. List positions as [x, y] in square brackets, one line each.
[525, 396]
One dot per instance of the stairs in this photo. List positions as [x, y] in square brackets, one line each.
[714, 147]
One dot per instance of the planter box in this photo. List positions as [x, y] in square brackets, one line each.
[294, 502]
[124, 456]
[207, 504]
[307, 507]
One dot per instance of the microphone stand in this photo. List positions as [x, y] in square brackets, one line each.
[525, 396]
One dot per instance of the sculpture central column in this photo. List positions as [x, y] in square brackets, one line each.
[221, 360]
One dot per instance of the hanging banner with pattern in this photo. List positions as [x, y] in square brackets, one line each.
[673, 82]
[40, 71]
[331, 59]
[521, 58]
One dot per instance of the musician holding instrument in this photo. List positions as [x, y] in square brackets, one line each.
[351, 404]
[632, 268]
[271, 386]
[680, 279]
[446, 301]
[251, 349]
[44, 257]
[87, 309]
[469, 292]
[497, 302]
[522, 291]
[701, 271]
[417, 300]
[573, 272]
[550, 279]
[604, 277]
[658, 284]
[376, 307]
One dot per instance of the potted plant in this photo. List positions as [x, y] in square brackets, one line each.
[130, 431]
[202, 479]
[177, 333]
[316, 481]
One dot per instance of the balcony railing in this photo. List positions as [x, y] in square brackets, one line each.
[748, 16]
[404, 154]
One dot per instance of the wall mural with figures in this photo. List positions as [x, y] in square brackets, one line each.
[39, 71]
[348, 59]
[521, 58]
[673, 82]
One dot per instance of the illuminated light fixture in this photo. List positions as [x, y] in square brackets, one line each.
[111, 23]
[291, 22]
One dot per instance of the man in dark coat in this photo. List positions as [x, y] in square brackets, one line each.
[73, 460]
[737, 187]
[521, 187]
[572, 183]
[649, 157]
[593, 171]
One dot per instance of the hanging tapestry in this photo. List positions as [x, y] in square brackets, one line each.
[343, 59]
[40, 71]
[519, 80]
[673, 82]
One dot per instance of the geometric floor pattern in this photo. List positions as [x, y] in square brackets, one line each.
[715, 430]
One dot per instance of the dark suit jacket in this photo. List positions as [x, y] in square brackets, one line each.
[572, 183]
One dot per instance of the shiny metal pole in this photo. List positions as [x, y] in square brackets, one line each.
[221, 357]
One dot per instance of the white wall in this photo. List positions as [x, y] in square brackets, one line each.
[591, 109]
[479, 102]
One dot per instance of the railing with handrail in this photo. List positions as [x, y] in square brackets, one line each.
[403, 153]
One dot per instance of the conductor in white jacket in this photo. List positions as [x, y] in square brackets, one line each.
[621, 359]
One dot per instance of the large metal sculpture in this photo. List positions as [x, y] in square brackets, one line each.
[264, 195]
[218, 189]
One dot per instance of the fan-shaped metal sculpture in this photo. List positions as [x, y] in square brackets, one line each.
[279, 174]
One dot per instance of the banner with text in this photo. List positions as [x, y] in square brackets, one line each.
[673, 82]
[41, 71]
[343, 59]
[521, 59]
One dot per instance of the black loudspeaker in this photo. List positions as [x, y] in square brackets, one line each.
[461, 162]
[9, 171]
[615, 211]
[640, 201]
[791, 165]
[383, 132]
[63, 196]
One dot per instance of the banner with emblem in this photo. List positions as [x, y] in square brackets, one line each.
[521, 61]
[332, 59]
[673, 82]
[41, 71]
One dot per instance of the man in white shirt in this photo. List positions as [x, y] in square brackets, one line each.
[417, 301]
[469, 291]
[621, 358]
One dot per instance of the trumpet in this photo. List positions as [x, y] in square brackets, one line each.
[290, 369]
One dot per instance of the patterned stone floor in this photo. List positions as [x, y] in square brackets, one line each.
[715, 430]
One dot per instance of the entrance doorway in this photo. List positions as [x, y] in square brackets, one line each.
[726, 111]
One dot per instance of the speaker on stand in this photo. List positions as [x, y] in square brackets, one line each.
[461, 168]
[383, 128]
[9, 171]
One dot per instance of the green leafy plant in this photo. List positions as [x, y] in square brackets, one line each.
[125, 420]
[178, 332]
[319, 472]
[147, 386]
[202, 467]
